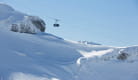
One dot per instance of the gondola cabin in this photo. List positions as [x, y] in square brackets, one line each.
[56, 25]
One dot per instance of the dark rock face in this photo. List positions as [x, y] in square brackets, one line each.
[40, 24]
[30, 24]
[37, 22]
[122, 56]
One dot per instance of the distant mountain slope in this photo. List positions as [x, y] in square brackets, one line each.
[43, 56]
[88, 43]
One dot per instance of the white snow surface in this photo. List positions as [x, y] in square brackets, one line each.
[8, 15]
[43, 56]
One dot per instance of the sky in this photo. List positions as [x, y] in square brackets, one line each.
[108, 22]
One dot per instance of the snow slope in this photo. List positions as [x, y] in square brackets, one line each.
[43, 56]
[9, 16]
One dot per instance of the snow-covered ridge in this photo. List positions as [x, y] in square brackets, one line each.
[88, 43]
[9, 15]
[44, 56]
[128, 54]
[20, 22]
[5, 11]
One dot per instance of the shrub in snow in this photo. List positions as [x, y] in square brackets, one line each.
[122, 56]
[25, 28]
[14, 28]
[22, 28]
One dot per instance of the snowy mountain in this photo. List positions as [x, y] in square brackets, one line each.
[20, 22]
[88, 43]
[43, 56]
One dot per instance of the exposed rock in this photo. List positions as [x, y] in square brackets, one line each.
[122, 56]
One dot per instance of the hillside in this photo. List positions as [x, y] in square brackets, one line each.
[43, 56]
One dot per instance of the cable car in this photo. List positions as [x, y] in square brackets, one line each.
[56, 23]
